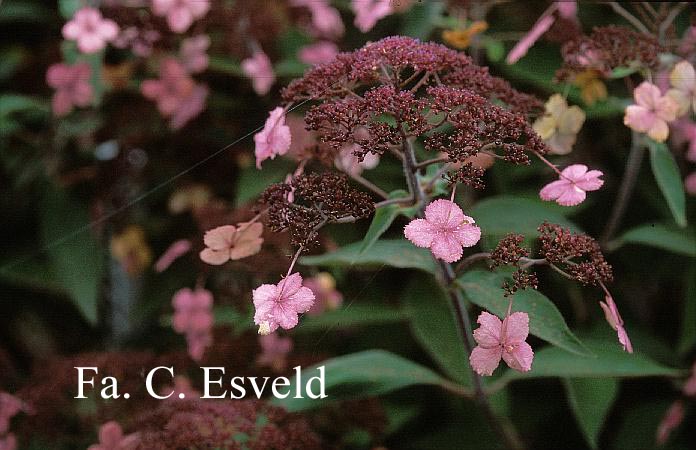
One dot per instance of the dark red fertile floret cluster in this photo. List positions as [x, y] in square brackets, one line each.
[509, 250]
[608, 48]
[310, 201]
[521, 279]
[231, 424]
[561, 247]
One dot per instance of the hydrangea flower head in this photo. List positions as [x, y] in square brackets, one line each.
[229, 242]
[72, 85]
[652, 112]
[180, 13]
[274, 139]
[611, 313]
[260, 70]
[445, 230]
[571, 187]
[90, 30]
[504, 339]
[683, 80]
[279, 304]
[111, 438]
[560, 125]
[369, 12]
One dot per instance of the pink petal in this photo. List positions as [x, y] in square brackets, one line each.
[110, 434]
[444, 213]
[468, 235]
[590, 181]
[108, 30]
[516, 328]
[520, 358]
[574, 172]
[220, 238]
[286, 316]
[624, 340]
[446, 247]
[177, 249]
[183, 299]
[554, 189]
[639, 118]
[179, 19]
[266, 293]
[214, 257]
[420, 232]
[290, 285]
[488, 334]
[659, 130]
[571, 196]
[647, 95]
[302, 300]
[319, 53]
[485, 360]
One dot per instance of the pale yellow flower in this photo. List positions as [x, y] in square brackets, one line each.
[592, 88]
[131, 250]
[559, 126]
[683, 80]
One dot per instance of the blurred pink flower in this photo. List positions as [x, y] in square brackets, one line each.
[684, 132]
[193, 53]
[180, 13]
[229, 242]
[177, 249]
[176, 93]
[318, 53]
[651, 112]
[689, 387]
[72, 85]
[139, 40]
[274, 139]
[445, 230]
[90, 30]
[369, 12]
[274, 351]
[567, 9]
[327, 297]
[8, 442]
[611, 313]
[111, 438]
[9, 407]
[690, 184]
[504, 340]
[351, 164]
[671, 420]
[260, 70]
[279, 305]
[571, 187]
[326, 20]
[193, 317]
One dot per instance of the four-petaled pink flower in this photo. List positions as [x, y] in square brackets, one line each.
[652, 112]
[274, 351]
[327, 296]
[279, 304]
[180, 13]
[683, 80]
[326, 20]
[571, 187]
[347, 162]
[193, 317]
[193, 53]
[611, 313]
[90, 30]
[445, 230]
[111, 438]
[369, 12]
[318, 53]
[501, 339]
[72, 85]
[260, 70]
[176, 93]
[274, 139]
[229, 242]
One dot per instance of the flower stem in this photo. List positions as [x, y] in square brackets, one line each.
[628, 183]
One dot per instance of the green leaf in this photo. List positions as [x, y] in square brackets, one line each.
[591, 399]
[668, 178]
[387, 252]
[75, 256]
[545, 321]
[504, 214]
[434, 327]
[352, 315]
[363, 374]
[610, 361]
[15, 11]
[495, 50]
[623, 72]
[225, 65]
[68, 7]
[12, 103]
[383, 219]
[665, 237]
[687, 338]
